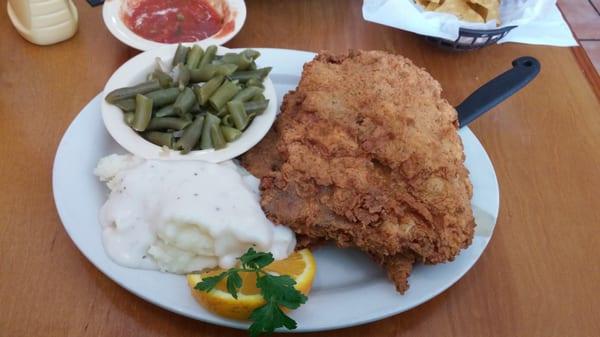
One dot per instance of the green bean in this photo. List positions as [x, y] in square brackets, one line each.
[184, 76]
[210, 70]
[209, 88]
[258, 98]
[163, 97]
[223, 112]
[205, 140]
[216, 136]
[247, 94]
[251, 53]
[238, 114]
[256, 106]
[128, 117]
[129, 92]
[203, 74]
[184, 102]
[208, 57]
[163, 78]
[226, 91]
[188, 116]
[230, 133]
[241, 60]
[190, 136]
[196, 109]
[226, 69]
[126, 104]
[226, 120]
[243, 76]
[180, 54]
[159, 138]
[252, 66]
[193, 57]
[143, 112]
[166, 123]
[255, 82]
[165, 111]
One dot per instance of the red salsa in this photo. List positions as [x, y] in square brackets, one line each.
[171, 21]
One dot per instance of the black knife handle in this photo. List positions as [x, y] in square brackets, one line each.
[497, 90]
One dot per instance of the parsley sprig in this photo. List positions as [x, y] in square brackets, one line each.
[277, 290]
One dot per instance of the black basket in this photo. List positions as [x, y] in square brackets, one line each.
[471, 39]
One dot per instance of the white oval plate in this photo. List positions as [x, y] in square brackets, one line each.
[111, 13]
[135, 71]
[362, 295]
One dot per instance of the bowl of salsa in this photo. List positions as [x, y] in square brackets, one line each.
[149, 24]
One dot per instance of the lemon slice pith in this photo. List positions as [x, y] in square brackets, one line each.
[299, 265]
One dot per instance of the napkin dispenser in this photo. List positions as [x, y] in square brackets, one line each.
[44, 22]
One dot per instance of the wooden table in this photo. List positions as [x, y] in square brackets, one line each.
[539, 276]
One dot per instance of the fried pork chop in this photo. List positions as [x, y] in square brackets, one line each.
[365, 153]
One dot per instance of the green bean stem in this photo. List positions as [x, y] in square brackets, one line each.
[143, 112]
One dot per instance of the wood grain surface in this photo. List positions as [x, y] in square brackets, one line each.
[540, 275]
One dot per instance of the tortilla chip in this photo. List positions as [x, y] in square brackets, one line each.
[487, 9]
[461, 9]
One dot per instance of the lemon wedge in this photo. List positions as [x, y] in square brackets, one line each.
[300, 266]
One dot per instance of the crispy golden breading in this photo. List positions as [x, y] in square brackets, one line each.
[368, 155]
[264, 159]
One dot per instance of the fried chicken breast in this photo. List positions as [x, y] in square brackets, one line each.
[365, 153]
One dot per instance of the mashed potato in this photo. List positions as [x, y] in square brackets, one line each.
[183, 216]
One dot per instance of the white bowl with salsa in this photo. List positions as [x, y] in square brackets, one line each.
[149, 24]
